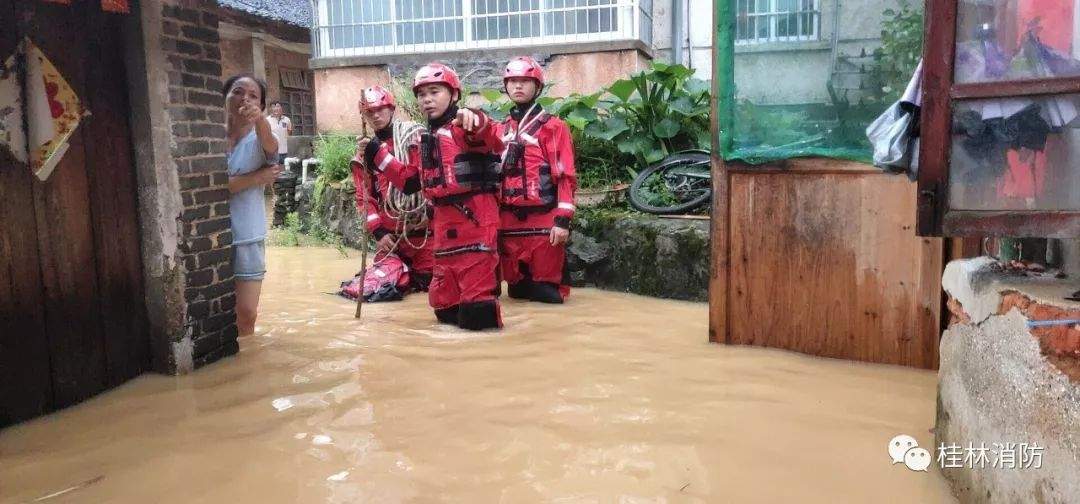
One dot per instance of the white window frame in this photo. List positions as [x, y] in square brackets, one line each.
[772, 18]
[624, 24]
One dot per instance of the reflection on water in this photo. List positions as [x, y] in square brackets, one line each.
[610, 398]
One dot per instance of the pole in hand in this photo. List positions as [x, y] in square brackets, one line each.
[363, 233]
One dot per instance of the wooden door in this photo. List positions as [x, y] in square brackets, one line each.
[72, 314]
[827, 263]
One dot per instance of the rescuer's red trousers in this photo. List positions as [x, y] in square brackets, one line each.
[526, 251]
[465, 283]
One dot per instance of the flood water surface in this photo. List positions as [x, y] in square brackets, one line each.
[611, 398]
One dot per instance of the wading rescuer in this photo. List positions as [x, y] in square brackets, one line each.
[457, 171]
[538, 185]
[398, 222]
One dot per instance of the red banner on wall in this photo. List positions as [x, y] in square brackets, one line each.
[120, 6]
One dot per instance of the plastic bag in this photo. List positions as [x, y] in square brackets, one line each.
[891, 137]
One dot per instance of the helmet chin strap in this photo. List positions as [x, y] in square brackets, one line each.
[449, 114]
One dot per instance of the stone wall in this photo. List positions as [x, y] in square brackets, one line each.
[190, 43]
[642, 254]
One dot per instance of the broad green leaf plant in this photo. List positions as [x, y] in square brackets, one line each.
[648, 115]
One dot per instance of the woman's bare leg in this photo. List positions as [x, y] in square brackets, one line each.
[247, 305]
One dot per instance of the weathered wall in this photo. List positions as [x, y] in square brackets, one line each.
[641, 254]
[251, 44]
[589, 72]
[159, 188]
[697, 34]
[236, 57]
[337, 92]
[276, 58]
[1002, 382]
[189, 42]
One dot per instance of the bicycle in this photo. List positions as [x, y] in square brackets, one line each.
[680, 183]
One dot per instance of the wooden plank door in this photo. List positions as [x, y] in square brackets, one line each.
[829, 265]
[25, 380]
[76, 233]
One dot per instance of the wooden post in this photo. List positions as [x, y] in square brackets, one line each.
[723, 84]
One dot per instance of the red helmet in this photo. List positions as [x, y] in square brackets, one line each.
[524, 66]
[437, 73]
[374, 97]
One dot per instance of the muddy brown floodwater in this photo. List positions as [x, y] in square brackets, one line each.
[612, 398]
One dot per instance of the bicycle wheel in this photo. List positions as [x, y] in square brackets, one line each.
[678, 184]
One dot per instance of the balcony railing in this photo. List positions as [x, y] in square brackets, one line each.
[389, 27]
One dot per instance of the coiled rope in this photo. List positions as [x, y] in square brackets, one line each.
[410, 211]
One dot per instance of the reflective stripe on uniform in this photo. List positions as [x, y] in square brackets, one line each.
[386, 160]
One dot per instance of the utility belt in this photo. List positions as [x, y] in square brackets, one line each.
[523, 212]
[546, 193]
[457, 199]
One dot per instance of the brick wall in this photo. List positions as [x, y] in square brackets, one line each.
[190, 43]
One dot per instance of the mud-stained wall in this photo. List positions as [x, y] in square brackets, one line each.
[589, 72]
[337, 92]
[159, 188]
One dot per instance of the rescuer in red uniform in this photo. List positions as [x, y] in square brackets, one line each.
[538, 185]
[458, 172]
[399, 225]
